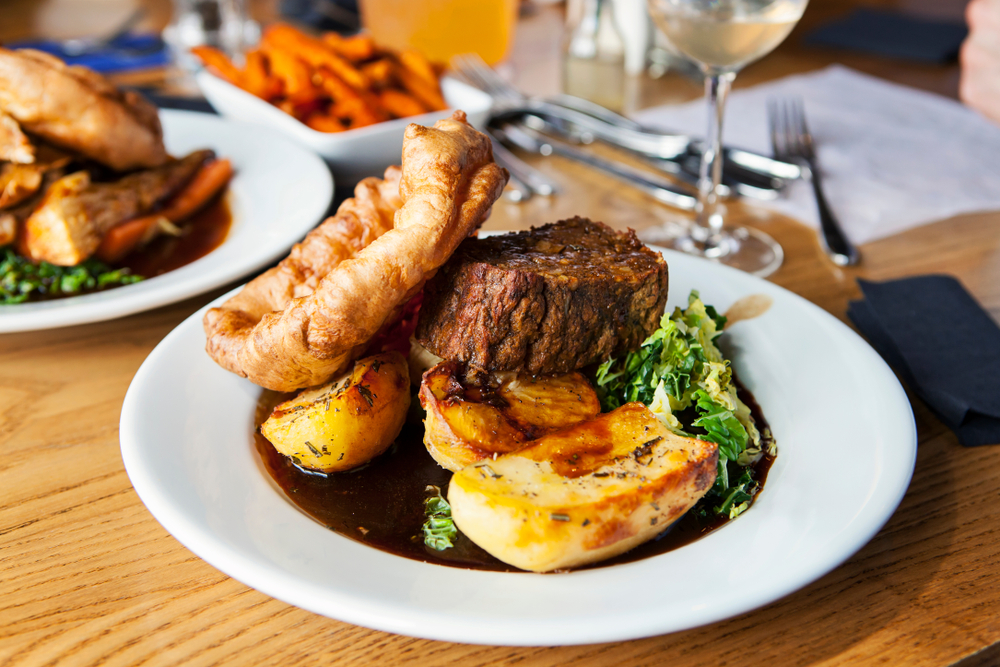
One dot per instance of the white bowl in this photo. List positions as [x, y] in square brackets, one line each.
[352, 154]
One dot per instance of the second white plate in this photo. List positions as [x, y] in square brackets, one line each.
[278, 193]
[847, 446]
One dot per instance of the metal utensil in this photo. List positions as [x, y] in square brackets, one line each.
[791, 140]
[600, 123]
[525, 181]
[736, 181]
[660, 189]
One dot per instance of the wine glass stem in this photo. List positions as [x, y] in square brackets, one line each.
[709, 215]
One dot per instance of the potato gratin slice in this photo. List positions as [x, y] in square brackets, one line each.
[583, 494]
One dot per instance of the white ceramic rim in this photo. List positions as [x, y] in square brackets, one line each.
[806, 522]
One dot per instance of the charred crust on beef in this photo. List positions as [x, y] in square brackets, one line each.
[548, 301]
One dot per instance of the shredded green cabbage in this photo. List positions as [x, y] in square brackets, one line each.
[679, 372]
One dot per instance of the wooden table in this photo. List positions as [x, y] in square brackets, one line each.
[88, 577]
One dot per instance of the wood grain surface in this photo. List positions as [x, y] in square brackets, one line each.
[88, 577]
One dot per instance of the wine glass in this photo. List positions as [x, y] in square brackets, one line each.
[722, 36]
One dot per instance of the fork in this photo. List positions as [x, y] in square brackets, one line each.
[600, 123]
[792, 142]
[525, 180]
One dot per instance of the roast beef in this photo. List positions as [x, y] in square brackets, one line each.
[547, 301]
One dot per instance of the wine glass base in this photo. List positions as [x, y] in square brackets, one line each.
[743, 248]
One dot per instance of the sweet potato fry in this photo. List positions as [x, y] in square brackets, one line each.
[334, 82]
[420, 66]
[355, 49]
[322, 122]
[292, 71]
[203, 187]
[256, 78]
[399, 104]
[219, 63]
[430, 96]
[379, 73]
[313, 51]
[360, 106]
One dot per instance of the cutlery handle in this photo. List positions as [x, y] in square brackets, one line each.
[659, 190]
[525, 179]
[840, 249]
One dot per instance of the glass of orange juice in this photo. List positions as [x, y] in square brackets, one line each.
[441, 29]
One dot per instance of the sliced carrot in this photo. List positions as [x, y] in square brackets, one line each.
[201, 189]
[126, 237]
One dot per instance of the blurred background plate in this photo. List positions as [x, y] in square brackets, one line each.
[278, 193]
[352, 154]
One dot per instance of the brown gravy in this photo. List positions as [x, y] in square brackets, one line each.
[381, 504]
[203, 232]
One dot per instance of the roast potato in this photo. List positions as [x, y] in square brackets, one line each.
[468, 421]
[346, 422]
[582, 494]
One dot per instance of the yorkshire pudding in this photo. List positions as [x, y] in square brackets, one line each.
[449, 182]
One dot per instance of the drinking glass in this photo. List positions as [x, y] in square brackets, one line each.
[722, 36]
[223, 24]
[441, 29]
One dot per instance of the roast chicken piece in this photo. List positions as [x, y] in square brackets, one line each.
[20, 181]
[78, 109]
[13, 216]
[449, 182]
[583, 494]
[14, 145]
[75, 213]
[474, 419]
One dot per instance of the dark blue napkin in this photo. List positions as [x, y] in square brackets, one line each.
[177, 102]
[943, 345]
[129, 52]
[887, 33]
[336, 15]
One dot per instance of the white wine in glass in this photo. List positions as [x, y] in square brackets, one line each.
[722, 36]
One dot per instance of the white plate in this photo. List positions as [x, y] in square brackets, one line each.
[847, 446]
[278, 193]
[352, 154]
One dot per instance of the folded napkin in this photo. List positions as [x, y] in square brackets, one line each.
[943, 344]
[892, 157]
[893, 34]
[129, 52]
